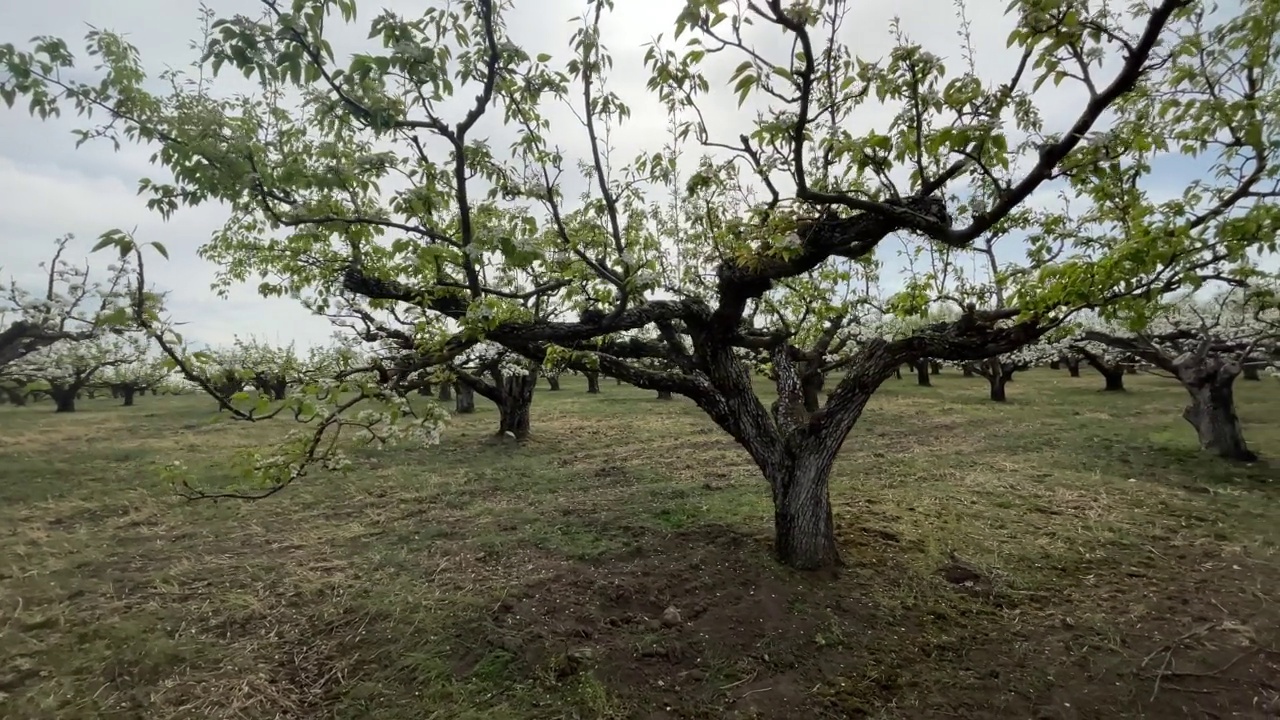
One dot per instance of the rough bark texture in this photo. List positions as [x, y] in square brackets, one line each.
[446, 391]
[465, 404]
[811, 385]
[804, 528]
[553, 382]
[1212, 413]
[513, 409]
[593, 382]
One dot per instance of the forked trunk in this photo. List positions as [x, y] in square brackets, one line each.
[664, 395]
[804, 529]
[1251, 373]
[922, 374]
[513, 410]
[593, 382]
[997, 383]
[553, 382]
[446, 391]
[465, 404]
[1212, 413]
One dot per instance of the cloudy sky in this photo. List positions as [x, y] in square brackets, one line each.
[49, 188]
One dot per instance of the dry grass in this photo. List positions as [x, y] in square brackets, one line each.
[480, 581]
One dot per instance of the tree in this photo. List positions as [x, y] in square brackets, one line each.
[961, 157]
[64, 370]
[504, 378]
[69, 307]
[127, 379]
[1205, 345]
[1110, 362]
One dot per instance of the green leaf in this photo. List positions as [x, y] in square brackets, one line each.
[160, 249]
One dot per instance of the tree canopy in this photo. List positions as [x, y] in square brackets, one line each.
[361, 184]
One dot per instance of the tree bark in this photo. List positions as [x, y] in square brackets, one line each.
[664, 395]
[553, 381]
[465, 402]
[922, 374]
[63, 400]
[1114, 381]
[966, 371]
[997, 383]
[1212, 413]
[897, 372]
[593, 382]
[127, 392]
[446, 391]
[1073, 367]
[1251, 373]
[935, 368]
[16, 397]
[516, 399]
[811, 385]
[1055, 364]
[804, 529]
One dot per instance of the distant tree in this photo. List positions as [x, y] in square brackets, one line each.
[127, 379]
[64, 370]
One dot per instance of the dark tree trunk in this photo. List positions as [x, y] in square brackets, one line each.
[16, 397]
[804, 529]
[1251, 373]
[513, 410]
[967, 371]
[922, 374]
[1131, 369]
[63, 400]
[1114, 380]
[446, 391]
[127, 392]
[1212, 413]
[425, 390]
[115, 392]
[554, 382]
[935, 368]
[997, 382]
[811, 385]
[465, 403]
[279, 388]
[1073, 367]
[618, 380]
[1055, 364]
[593, 382]
[897, 372]
[664, 395]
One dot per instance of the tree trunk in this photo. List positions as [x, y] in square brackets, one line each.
[279, 388]
[664, 394]
[935, 368]
[593, 382]
[1212, 413]
[922, 374]
[127, 392]
[1114, 381]
[465, 403]
[425, 390]
[1055, 364]
[15, 397]
[517, 398]
[1130, 369]
[967, 371]
[63, 401]
[804, 530]
[618, 380]
[811, 385]
[1073, 367]
[997, 381]
[897, 372]
[554, 382]
[446, 391]
[1251, 373]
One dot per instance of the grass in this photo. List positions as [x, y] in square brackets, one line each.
[1068, 554]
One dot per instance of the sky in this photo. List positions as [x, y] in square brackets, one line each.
[49, 188]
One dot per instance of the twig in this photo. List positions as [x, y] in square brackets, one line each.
[753, 692]
[748, 678]
[1155, 690]
[1189, 634]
